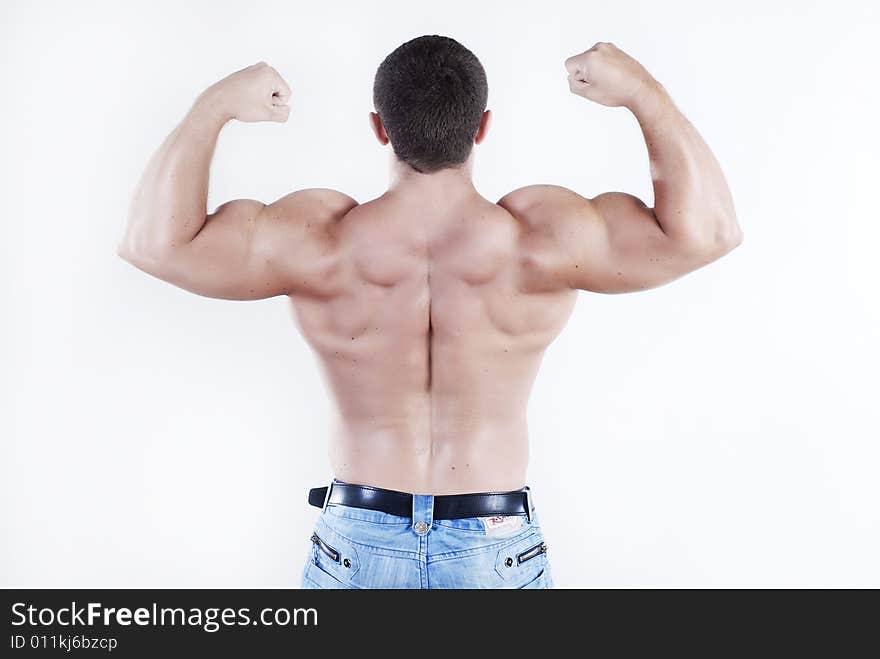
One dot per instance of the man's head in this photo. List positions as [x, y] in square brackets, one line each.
[430, 95]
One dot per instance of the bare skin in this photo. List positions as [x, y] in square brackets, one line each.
[430, 307]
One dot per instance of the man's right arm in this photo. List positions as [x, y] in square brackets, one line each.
[615, 243]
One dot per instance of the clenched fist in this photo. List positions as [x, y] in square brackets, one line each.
[607, 75]
[256, 93]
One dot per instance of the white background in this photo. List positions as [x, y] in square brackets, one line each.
[720, 431]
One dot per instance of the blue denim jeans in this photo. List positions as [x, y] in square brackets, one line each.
[357, 548]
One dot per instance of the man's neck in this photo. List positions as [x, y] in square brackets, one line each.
[448, 183]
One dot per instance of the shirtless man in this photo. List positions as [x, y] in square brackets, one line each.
[430, 307]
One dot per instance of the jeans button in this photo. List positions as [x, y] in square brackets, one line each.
[420, 527]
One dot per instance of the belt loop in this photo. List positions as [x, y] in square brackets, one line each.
[528, 502]
[422, 513]
[327, 496]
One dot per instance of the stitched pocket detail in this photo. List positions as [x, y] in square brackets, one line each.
[536, 582]
[318, 575]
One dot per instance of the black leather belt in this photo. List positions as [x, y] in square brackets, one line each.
[446, 506]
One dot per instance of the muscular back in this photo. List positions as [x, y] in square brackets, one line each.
[430, 329]
[429, 314]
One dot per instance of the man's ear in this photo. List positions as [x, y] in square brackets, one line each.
[378, 129]
[484, 127]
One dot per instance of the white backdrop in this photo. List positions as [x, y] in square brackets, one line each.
[720, 431]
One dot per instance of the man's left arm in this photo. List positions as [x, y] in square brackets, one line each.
[245, 250]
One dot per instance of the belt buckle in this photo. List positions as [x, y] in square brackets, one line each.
[327, 495]
[528, 503]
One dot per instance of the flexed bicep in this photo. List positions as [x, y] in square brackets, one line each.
[609, 244]
[627, 249]
[247, 250]
[614, 242]
[228, 258]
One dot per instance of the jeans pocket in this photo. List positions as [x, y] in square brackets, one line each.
[522, 561]
[334, 557]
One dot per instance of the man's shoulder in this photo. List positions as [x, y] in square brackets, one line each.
[543, 202]
[315, 204]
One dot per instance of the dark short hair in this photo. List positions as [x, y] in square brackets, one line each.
[430, 94]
